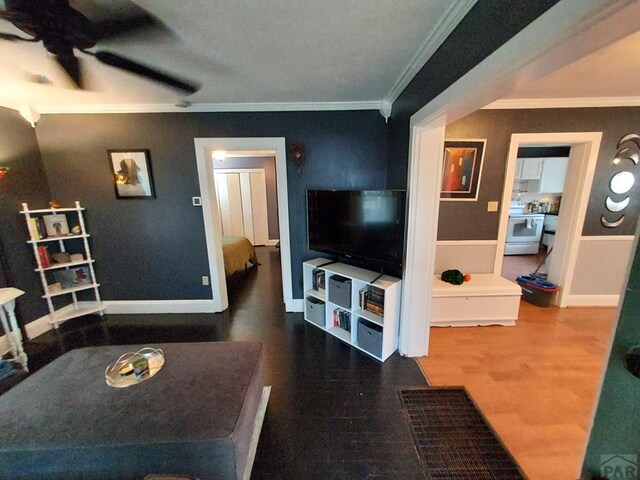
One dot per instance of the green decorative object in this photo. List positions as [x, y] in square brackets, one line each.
[454, 277]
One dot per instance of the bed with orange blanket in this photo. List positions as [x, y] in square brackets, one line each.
[237, 251]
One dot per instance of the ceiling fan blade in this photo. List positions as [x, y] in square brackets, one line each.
[71, 65]
[144, 71]
[116, 27]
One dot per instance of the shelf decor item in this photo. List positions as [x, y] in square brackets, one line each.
[63, 274]
[131, 173]
[462, 169]
[56, 225]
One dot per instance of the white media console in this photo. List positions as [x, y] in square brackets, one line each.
[358, 306]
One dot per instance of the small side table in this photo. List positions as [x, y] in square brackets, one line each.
[10, 325]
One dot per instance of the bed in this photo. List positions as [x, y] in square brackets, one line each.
[237, 251]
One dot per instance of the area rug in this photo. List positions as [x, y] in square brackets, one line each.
[452, 437]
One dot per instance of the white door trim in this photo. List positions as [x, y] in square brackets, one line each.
[204, 146]
[580, 171]
[427, 149]
[568, 31]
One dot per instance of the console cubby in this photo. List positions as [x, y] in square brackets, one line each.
[371, 301]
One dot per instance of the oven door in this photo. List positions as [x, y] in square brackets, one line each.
[525, 228]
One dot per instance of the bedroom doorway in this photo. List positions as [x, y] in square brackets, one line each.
[247, 198]
[208, 152]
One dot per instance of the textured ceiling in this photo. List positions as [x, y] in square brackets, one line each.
[242, 51]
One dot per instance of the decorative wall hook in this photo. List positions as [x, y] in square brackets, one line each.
[297, 153]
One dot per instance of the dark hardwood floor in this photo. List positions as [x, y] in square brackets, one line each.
[333, 412]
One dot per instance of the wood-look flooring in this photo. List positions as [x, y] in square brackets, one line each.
[333, 413]
[536, 383]
[515, 265]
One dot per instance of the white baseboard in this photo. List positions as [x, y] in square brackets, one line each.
[297, 305]
[504, 322]
[272, 243]
[158, 306]
[593, 300]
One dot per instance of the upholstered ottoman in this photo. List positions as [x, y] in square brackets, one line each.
[196, 416]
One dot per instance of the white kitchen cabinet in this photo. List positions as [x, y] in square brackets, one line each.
[529, 168]
[554, 171]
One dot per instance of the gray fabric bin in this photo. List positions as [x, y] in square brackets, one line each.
[370, 337]
[340, 291]
[315, 311]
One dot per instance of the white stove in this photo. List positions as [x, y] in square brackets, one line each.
[524, 230]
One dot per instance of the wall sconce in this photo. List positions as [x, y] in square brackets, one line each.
[3, 171]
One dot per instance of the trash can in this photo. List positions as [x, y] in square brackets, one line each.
[535, 291]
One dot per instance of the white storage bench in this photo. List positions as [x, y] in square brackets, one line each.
[488, 299]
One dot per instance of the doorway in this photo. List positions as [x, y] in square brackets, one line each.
[247, 198]
[205, 149]
[583, 156]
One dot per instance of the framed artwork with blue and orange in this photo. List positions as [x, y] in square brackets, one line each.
[462, 169]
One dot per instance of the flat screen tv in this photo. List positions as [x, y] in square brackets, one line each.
[363, 226]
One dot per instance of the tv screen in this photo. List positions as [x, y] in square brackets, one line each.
[365, 226]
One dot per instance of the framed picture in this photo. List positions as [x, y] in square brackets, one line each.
[56, 225]
[131, 173]
[73, 277]
[462, 170]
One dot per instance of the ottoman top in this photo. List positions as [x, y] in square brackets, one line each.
[198, 395]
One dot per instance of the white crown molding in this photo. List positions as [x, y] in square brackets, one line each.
[585, 102]
[211, 107]
[449, 21]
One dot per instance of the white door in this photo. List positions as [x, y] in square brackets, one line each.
[242, 200]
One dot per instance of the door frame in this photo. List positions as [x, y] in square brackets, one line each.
[583, 158]
[213, 229]
[570, 30]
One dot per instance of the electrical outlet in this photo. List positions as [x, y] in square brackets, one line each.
[197, 201]
[492, 206]
[205, 280]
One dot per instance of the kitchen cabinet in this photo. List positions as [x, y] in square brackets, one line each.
[554, 171]
[529, 168]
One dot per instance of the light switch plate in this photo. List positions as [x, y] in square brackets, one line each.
[197, 201]
[492, 206]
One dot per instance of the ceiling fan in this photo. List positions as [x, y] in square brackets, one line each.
[63, 30]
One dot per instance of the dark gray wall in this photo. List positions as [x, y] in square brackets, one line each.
[471, 221]
[25, 182]
[269, 166]
[155, 249]
[487, 26]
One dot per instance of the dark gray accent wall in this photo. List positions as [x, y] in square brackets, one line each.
[269, 166]
[471, 221]
[487, 26]
[155, 249]
[25, 182]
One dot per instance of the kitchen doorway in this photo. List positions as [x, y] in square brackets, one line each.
[580, 167]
